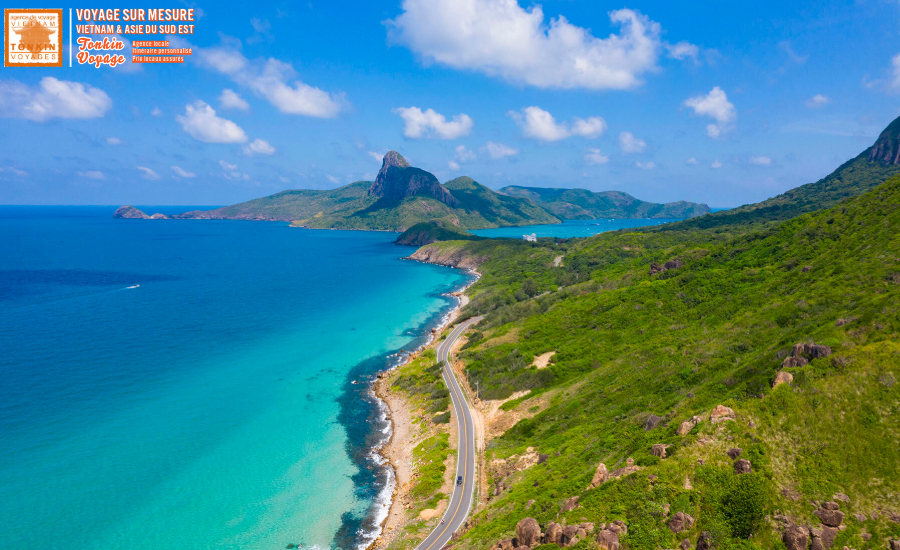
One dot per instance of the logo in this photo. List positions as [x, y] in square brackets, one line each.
[32, 38]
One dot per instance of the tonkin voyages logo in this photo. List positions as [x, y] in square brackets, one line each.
[32, 38]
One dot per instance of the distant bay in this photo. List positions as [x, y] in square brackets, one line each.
[213, 406]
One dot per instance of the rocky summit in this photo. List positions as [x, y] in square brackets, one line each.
[887, 149]
[398, 180]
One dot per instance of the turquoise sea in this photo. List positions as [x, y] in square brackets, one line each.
[570, 228]
[212, 407]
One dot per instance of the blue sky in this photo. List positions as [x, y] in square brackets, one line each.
[723, 103]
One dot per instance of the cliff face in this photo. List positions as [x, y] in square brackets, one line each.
[398, 180]
[887, 149]
[447, 254]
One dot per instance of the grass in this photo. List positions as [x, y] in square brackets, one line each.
[676, 344]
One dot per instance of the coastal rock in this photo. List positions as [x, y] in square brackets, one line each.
[528, 532]
[434, 254]
[721, 414]
[130, 213]
[398, 180]
[783, 378]
[795, 537]
[680, 522]
[652, 422]
[159, 216]
[600, 476]
[742, 466]
[734, 453]
[659, 450]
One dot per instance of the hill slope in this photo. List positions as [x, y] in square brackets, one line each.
[400, 197]
[581, 204]
[652, 332]
[855, 177]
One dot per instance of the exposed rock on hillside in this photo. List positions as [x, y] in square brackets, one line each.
[398, 180]
[449, 256]
[671, 264]
[887, 149]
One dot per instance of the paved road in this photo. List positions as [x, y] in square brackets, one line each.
[461, 501]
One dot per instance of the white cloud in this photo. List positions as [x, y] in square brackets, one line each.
[333, 179]
[499, 150]
[148, 173]
[201, 122]
[538, 124]
[594, 157]
[16, 171]
[377, 156]
[715, 105]
[182, 173]
[274, 80]
[817, 101]
[463, 154]
[113, 141]
[645, 165]
[760, 161]
[796, 58]
[716, 164]
[92, 174]
[630, 144]
[683, 50]
[227, 166]
[284, 179]
[499, 38]
[430, 123]
[692, 160]
[258, 147]
[229, 99]
[453, 165]
[156, 112]
[52, 98]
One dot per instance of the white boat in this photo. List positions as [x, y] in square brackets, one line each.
[134, 286]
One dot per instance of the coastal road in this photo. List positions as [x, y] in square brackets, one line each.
[461, 501]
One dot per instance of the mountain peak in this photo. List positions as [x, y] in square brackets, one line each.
[393, 158]
[398, 180]
[887, 148]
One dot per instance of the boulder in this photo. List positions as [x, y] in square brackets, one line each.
[742, 466]
[528, 504]
[831, 518]
[686, 544]
[587, 526]
[894, 544]
[629, 461]
[607, 540]
[618, 526]
[542, 458]
[721, 414]
[671, 264]
[652, 422]
[600, 476]
[830, 505]
[783, 378]
[810, 351]
[553, 533]
[841, 497]
[570, 504]
[795, 537]
[659, 450]
[569, 535]
[734, 453]
[792, 362]
[528, 532]
[506, 544]
[806, 268]
[687, 483]
[680, 522]
[685, 427]
[626, 471]
[705, 542]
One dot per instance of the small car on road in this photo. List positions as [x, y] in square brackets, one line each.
[459, 480]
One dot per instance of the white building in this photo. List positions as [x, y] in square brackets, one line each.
[531, 238]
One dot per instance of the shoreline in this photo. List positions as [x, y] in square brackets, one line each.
[395, 449]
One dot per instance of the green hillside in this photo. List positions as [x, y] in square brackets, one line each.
[581, 204]
[641, 349]
[856, 176]
[400, 197]
[433, 231]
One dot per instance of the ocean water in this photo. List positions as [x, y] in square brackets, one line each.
[212, 407]
[571, 228]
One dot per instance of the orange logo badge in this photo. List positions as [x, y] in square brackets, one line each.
[32, 38]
